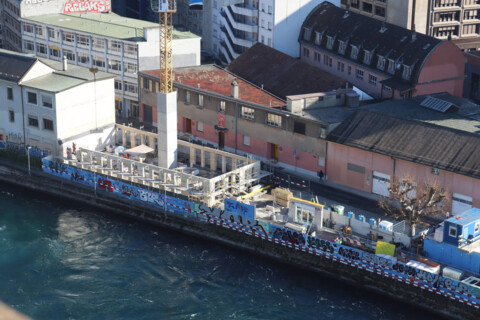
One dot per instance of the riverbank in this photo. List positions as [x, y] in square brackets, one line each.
[214, 228]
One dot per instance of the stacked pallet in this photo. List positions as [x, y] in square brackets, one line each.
[281, 196]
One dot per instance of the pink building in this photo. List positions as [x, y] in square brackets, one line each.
[369, 148]
[221, 110]
[382, 59]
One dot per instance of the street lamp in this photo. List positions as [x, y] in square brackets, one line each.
[94, 70]
[28, 156]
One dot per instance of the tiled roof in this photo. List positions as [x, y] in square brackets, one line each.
[214, 79]
[281, 74]
[404, 47]
[13, 65]
[430, 145]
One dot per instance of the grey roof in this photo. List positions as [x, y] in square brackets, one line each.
[379, 38]
[430, 145]
[14, 66]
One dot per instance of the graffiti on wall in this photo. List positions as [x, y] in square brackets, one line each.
[86, 6]
[271, 231]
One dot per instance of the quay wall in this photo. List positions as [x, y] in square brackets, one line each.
[444, 296]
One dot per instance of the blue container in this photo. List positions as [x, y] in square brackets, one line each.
[372, 222]
[350, 214]
[361, 218]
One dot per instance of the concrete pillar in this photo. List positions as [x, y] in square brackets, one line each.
[124, 137]
[234, 163]
[224, 164]
[133, 141]
[202, 158]
[213, 161]
[192, 156]
[167, 129]
[142, 139]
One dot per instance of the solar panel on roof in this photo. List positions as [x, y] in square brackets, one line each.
[436, 104]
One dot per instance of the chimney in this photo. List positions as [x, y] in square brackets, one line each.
[65, 63]
[414, 34]
[235, 88]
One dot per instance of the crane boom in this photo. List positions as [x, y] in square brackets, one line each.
[166, 48]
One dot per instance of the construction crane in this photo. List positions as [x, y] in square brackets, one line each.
[165, 9]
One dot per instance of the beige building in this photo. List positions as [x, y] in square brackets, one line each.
[459, 19]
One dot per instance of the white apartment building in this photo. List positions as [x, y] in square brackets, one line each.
[276, 23]
[48, 105]
[109, 42]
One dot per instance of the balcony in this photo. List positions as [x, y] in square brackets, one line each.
[252, 28]
[225, 54]
[227, 43]
[230, 31]
[244, 10]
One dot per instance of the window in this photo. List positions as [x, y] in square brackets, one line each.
[327, 60]
[28, 45]
[68, 37]
[359, 74]
[355, 168]
[318, 38]
[200, 126]
[32, 121]
[306, 52]
[391, 66]
[269, 25]
[380, 11]
[274, 120]
[263, 40]
[406, 72]
[69, 54]
[381, 63]
[367, 57]
[187, 96]
[27, 28]
[387, 89]
[11, 115]
[221, 106]
[349, 70]
[9, 93]
[98, 61]
[200, 100]
[130, 49]
[269, 42]
[452, 231]
[52, 34]
[83, 40]
[372, 79]
[115, 46]
[477, 227]
[114, 65]
[307, 33]
[147, 84]
[41, 49]
[367, 7]
[84, 58]
[317, 56]
[342, 46]
[32, 97]
[98, 44]
[131, 87]
[118, 85]
[130, 67]
[299, 127]
[340, 66]
[269, 9]
[54, 52]
[330, 41]
[47, 101]
[48, 124]
[248, 113]
[246, 140]
[354, 52]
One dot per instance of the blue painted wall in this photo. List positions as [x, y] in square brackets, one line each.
[446, 233]
[451, 255]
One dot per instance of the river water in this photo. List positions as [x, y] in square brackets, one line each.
[63, 260]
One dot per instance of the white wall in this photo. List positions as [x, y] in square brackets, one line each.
[186, 52]
[14, 130]
[78, 113]
[30, 8]
[288, 19]
[37, 70]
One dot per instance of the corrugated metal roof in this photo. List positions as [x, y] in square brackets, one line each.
[430, 145]
[436, 104]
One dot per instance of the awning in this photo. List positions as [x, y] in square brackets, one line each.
[139, 150]
[398, 84]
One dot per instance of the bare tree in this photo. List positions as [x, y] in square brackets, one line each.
[409, 202]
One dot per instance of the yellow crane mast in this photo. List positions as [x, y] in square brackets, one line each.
[166, 47]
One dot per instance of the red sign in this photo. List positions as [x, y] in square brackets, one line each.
[221, 120]
[86, 6]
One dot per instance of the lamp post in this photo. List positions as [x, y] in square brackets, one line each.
[28, 156]
[94, 70]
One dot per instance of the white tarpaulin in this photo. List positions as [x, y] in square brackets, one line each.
[139, 150]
